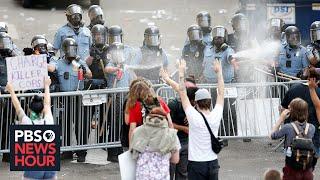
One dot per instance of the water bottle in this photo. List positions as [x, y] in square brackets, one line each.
[289, 152]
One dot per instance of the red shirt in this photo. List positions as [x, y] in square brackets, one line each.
[135, 114]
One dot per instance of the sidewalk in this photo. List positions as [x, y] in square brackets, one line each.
[238, 161]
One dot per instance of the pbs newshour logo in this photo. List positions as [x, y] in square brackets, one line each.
[35, 147]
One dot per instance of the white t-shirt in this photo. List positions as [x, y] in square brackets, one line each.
[25, 120]
[199, 137]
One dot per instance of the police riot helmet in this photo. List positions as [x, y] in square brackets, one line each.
[315, 31]
[293, 36]
[116, 53]
[95, 14]
[219, 35]
[39, 42]
[5, 42]
[275, 28]
[194, 33]
[240, 22]
[99, 35]
[152, 36]
[115, 34]
[204, 21]
[3, 27]
[74, 15]
[69, 47]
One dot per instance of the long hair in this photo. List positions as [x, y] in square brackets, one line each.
[299, 110]
[138, 92]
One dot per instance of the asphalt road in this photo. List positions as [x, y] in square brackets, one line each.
[238, 161]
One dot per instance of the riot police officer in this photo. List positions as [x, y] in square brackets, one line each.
[95, 14]
[239, 40]
[4, 28]
[275, 29]
[193, 52]
[115, 36]
[6, 50]
[204, 21]
[74, 29]
[314, 47]
[98, 57]
[39, 45]
[71, 72]
[151, 56]
[292, 58]
[119, 76]
[222, 52]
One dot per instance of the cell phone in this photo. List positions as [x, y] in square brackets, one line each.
[66, 75]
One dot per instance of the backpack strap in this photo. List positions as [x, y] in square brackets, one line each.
[295, 128]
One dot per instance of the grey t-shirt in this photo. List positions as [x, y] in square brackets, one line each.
[288, 131]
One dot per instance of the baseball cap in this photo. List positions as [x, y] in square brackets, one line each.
[202, 94]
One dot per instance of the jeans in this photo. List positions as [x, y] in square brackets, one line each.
[207, 170]
[179, 171]
[39, 174]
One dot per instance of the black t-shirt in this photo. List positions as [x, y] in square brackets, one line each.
[125, 128]
[302, 91]
[178, 117]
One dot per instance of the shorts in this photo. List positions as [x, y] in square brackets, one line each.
[40, 174]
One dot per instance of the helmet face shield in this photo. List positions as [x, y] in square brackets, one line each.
[293, 39]
[42, 48]
[6, 43]
[195, 35]
[152, 40]
[115, 39]
[75, 19]
[204, 21]
[95, 12]
[219, 32]
[99, 38]
[315, 35]
[71, 52]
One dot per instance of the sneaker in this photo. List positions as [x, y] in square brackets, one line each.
[6, 157]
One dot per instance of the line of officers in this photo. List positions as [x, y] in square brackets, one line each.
[99, 51]
[95, 56]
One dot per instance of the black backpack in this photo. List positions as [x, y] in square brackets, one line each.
[303, 154]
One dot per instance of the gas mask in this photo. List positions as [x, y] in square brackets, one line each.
[75, 20]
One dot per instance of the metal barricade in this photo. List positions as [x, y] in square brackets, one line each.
[250, 109]
[89, 119]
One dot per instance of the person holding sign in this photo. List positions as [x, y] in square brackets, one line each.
[71, 72]
[40, 115]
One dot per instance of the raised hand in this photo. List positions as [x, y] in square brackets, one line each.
[217, 66]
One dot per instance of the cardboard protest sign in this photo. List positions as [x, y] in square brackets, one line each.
[27, 72]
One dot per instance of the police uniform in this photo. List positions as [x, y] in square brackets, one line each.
[97, 68]
[156, 58]
[82, 37]
[227, 68]
[193, 55]
[292, 61]
[68, 79]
